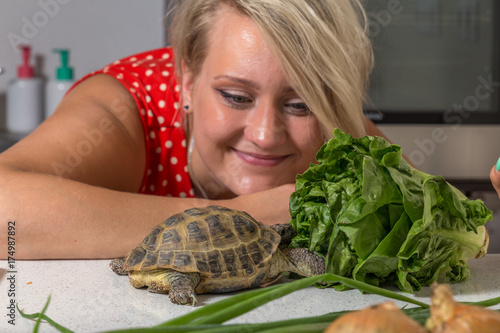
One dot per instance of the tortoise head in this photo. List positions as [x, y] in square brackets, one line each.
[286, 233]
[305, 262]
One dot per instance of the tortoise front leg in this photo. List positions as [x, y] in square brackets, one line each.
[179, 286]
[183, 285]
[117, 266]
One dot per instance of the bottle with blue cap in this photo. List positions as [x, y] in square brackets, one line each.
[56, 89]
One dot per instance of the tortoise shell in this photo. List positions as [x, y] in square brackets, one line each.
[215, 241]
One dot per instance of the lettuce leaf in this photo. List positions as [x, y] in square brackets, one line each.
[374, 217]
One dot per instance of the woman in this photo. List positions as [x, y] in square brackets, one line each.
[495, 177]
[259, 89]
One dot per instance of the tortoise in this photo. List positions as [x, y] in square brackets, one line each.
[213, 250]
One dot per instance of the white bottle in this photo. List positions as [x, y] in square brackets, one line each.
[24, 98]
[56, 89]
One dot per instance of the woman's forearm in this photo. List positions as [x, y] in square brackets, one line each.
[56, 218]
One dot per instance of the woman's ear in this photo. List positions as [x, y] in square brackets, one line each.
[187, 86]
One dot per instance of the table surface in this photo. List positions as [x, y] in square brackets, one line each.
[88, 297]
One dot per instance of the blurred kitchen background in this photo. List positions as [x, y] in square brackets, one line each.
[434, 91]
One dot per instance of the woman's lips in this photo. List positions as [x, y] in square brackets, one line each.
[260, 160]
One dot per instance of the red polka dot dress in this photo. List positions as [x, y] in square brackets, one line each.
[149, 77]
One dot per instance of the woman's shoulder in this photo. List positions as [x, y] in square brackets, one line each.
[162, 57]
[150, 79]
[153, 65]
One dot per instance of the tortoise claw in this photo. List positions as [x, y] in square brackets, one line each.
[183, 297]
[195, 300]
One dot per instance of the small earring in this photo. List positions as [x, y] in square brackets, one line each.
[186, 107]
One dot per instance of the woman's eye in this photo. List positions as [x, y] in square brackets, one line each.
[299, 108]
[235, 100]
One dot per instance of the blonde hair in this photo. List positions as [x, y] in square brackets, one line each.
[321, 44]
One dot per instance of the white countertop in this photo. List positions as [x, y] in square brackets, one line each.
[88, 297]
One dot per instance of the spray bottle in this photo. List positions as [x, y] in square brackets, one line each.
[24, 98]
[56, 89]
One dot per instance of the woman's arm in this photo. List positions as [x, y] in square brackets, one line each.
[70, 185]
[495, 177]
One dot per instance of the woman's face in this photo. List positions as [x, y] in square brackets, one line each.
[252, 131]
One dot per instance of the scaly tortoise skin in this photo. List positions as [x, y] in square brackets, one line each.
[212, 250]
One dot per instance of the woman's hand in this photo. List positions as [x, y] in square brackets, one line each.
[495, 177]
[269, 207]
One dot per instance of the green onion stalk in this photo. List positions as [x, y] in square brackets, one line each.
[211, 317]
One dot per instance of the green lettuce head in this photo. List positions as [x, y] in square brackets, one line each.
[374, 217]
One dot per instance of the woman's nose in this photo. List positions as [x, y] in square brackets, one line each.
[266, 127]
